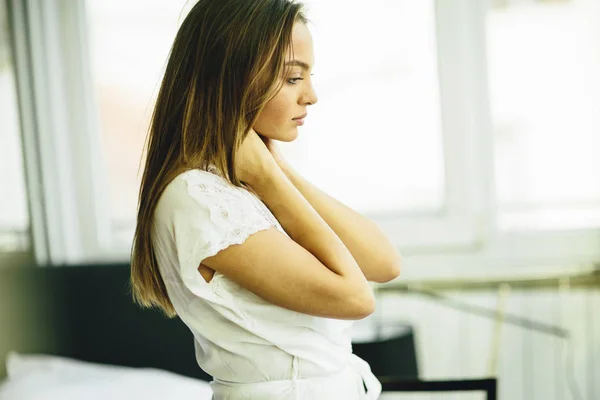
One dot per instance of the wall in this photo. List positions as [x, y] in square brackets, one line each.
[531, 365]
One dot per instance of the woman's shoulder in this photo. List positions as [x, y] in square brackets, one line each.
[210, 176]
[198, 188]
[194, 182]
[201, 211]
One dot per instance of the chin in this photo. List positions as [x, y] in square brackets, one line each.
[288, 136]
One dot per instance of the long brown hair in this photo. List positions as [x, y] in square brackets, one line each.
[225, 64]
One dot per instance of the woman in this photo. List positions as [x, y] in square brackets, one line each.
[267, 271]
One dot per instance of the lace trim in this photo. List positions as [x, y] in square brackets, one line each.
[218, 186]
[267, 214]
[229, 209]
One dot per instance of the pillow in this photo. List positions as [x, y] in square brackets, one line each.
[37, 377]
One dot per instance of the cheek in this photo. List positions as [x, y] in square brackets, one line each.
[280, 106]
[275, 110]
[275, 114]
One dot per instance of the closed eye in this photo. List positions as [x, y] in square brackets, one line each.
[293, 81]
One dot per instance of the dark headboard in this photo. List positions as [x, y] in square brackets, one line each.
[86, 312]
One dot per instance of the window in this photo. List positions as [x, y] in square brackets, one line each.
[392, 164]
[128, 56]
[544, 58]
[374, 140]
[467, 130]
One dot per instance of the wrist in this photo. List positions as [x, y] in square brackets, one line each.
[283, 165]
[292, 175]
[265, 174]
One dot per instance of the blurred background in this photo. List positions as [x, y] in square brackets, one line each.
[469, 130]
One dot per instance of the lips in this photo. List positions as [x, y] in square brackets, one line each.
[300, 117]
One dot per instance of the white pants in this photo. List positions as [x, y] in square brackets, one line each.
[343, 385]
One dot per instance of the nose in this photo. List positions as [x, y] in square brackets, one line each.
[309, 96]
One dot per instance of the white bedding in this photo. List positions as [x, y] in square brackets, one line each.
[37, 377]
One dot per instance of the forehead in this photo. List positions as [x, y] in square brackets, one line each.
[302, 43]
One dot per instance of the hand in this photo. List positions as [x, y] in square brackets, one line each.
[253, 159]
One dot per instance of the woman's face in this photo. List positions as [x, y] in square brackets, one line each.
[285, 112]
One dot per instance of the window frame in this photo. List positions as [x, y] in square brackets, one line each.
[516, 251]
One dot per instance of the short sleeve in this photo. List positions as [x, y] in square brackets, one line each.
[208, 215]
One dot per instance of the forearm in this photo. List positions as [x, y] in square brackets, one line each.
[305, 226]
[376, 256]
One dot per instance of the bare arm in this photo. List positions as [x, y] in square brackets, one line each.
[313, 272]
[376, 256]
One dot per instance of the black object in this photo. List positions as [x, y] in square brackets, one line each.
[389, 350]
[86, 312]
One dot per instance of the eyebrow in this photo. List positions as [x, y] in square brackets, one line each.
[298, 63]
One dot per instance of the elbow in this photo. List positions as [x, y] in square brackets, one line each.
[390, 269]
[357, 302]
[394, 268]
[366, 305]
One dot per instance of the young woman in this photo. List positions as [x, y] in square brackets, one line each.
[267, 271]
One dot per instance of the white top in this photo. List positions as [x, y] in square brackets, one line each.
[253, 349]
